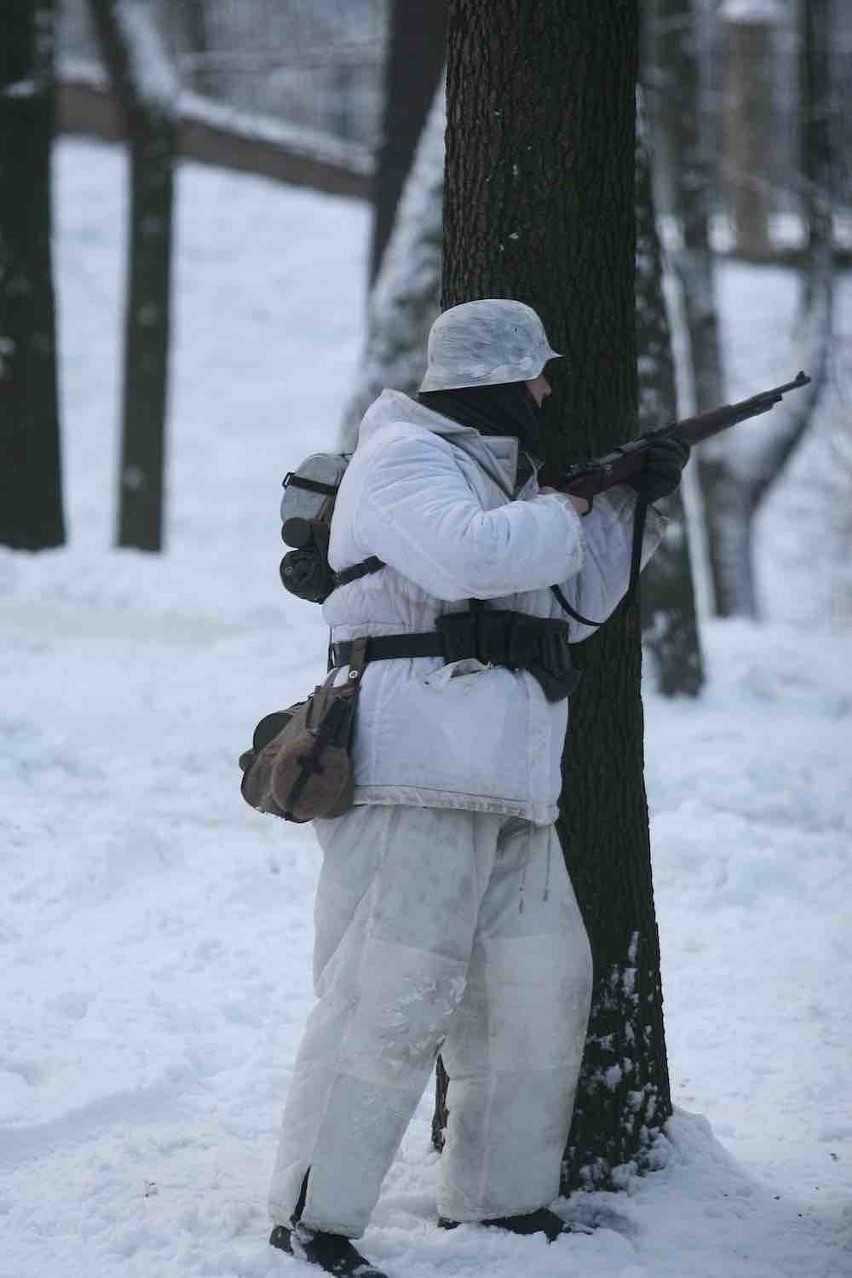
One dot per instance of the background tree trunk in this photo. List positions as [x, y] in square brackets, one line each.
[539, 205]
[404, 299]
[143, 78]
[818, 141]
[669, 623]
[747, 125]
[415, 60]
[680, 125]
[31, 515]
[728, 505]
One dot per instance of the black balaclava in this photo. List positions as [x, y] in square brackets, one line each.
[505, 409]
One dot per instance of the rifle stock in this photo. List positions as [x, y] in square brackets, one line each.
[587, 479]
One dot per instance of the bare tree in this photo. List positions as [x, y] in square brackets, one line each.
[680, 124]
[540, 205]
[413, 67]
[747, 115]
[819, 141]
[31, 514]
[404, 299]
[739, 471]
[144, 80]
[669, 623]
[735, 471]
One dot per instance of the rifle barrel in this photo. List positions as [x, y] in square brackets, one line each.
[705, 425]
[586, 479]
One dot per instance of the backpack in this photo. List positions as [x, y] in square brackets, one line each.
[306, 510]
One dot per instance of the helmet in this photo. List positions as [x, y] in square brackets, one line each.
[486, 343]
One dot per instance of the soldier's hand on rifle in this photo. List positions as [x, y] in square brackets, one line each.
[580, 504]
[660, 476]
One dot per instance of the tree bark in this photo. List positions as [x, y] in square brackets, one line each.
[539, 205]
[669, 623]
[31, 516]
[415, 60]
[143, 78]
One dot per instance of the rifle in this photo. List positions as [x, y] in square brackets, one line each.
[586, 479]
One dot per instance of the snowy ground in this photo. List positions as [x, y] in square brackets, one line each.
[155, 934]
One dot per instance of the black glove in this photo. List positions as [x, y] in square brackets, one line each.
[660, 476]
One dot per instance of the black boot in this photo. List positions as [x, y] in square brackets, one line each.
[544, 1221]
[330, 1252]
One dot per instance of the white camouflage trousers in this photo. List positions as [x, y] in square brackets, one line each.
[436, 929]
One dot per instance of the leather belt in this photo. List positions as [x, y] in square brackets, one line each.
[497, 637]
[428, 643]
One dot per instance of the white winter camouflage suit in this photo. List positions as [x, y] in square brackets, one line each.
[445, 918]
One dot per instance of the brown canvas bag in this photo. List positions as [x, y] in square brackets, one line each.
[300, 766]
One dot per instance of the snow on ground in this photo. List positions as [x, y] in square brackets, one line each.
[155, 934]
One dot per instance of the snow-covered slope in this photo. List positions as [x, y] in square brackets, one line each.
[155, 934]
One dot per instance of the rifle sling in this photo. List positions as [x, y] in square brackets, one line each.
[635, 568]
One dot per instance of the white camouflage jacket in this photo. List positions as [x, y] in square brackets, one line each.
[463, 735]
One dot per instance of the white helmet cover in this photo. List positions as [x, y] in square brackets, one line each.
[486, 343]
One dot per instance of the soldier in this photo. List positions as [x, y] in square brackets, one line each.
[445, 918]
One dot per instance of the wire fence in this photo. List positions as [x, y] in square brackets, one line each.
[316, 63]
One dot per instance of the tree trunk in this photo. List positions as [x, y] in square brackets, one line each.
[31, 515]
[539, 205]
[689, 175]
[404, 299]
[681, 121]
[669, 624]
[144, 81]
[747, 128]
[415, 60]
[818, 144]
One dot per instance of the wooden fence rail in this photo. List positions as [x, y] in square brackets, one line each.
[215, 134]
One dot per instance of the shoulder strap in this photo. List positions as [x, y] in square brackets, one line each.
[363, 569]
[636, 548]
[373, 563]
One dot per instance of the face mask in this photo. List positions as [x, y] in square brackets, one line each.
[506, 409]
